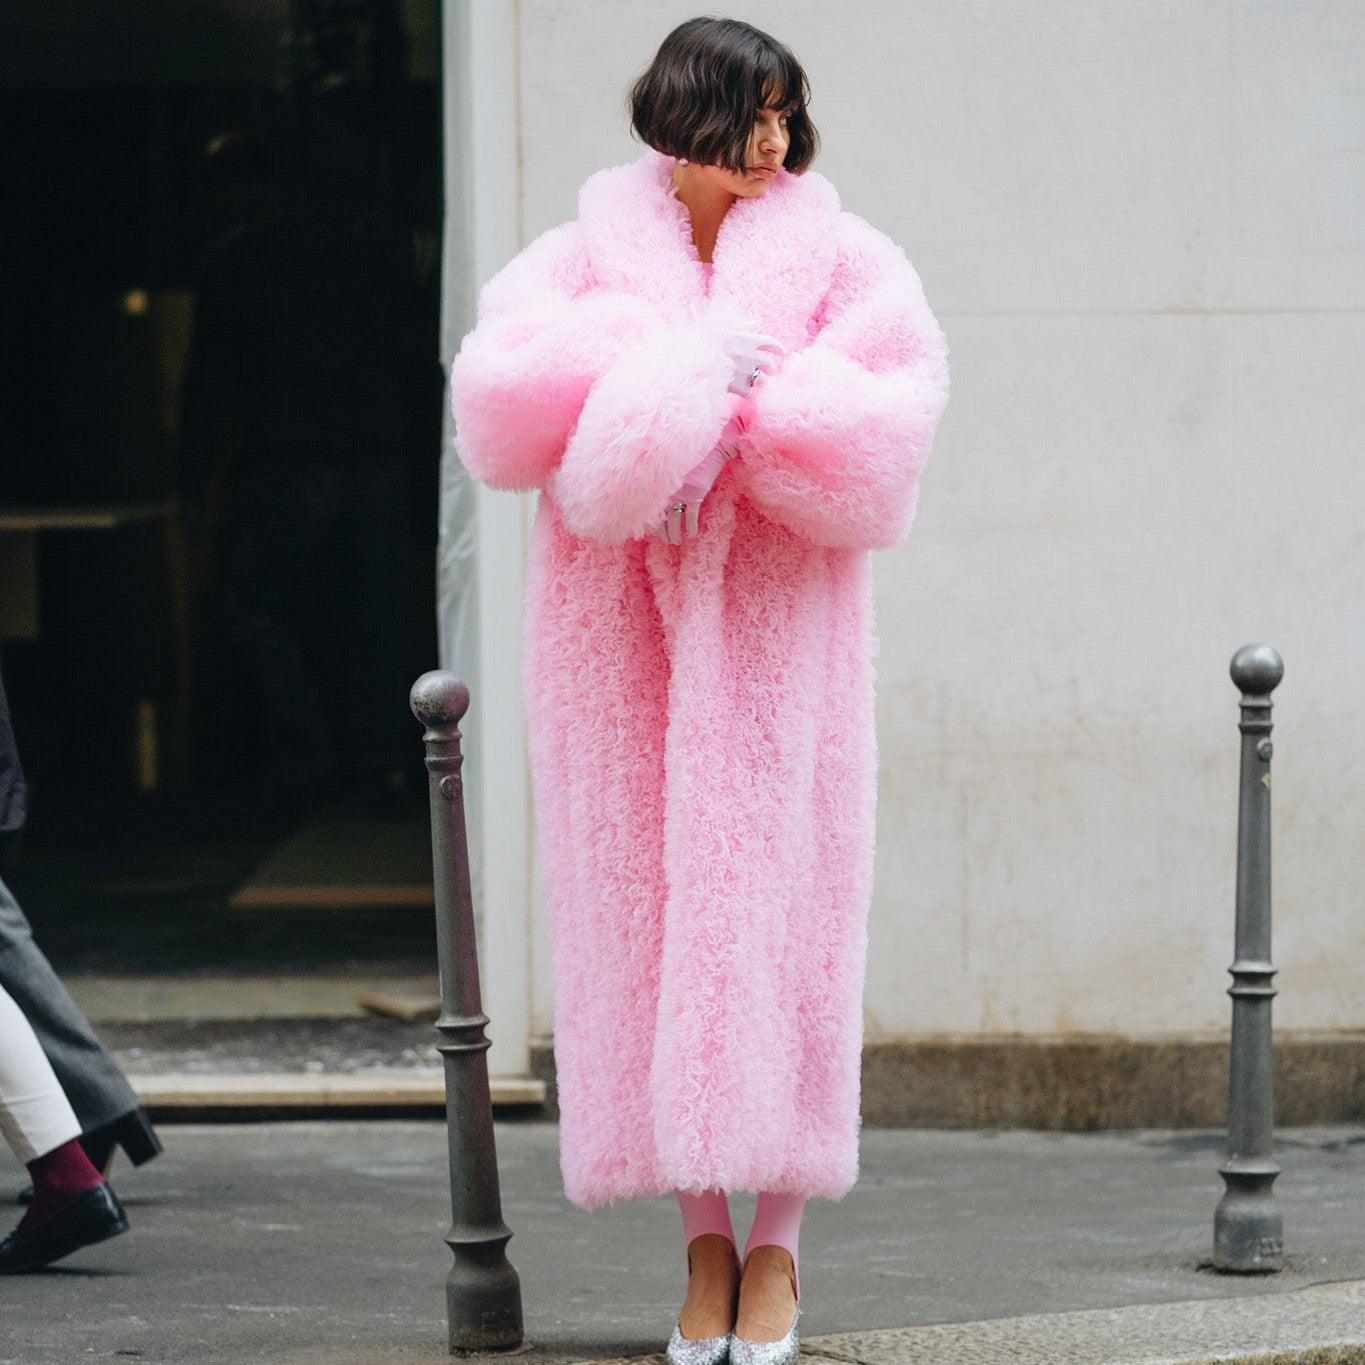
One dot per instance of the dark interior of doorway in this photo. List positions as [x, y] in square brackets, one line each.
[177, 199]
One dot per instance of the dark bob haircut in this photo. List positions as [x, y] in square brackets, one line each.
[707, 81]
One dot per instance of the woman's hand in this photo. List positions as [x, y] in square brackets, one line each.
[680, 521]
[752, 355]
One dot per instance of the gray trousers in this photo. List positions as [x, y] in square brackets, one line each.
[99, 1092]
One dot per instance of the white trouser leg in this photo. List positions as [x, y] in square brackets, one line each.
[35, 1115]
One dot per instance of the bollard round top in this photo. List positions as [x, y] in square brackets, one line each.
[1257, 669]
[438, 698]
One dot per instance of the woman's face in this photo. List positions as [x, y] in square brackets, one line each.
[767, 150]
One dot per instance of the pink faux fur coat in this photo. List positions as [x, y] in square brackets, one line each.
[701, 716]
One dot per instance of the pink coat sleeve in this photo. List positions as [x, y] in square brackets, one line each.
[835, 441]
[585, 392]
[541, 340]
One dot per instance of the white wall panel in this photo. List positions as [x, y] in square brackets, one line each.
[1058, 731]
[1296, 179]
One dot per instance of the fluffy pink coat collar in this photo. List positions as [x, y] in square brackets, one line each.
[774, 258]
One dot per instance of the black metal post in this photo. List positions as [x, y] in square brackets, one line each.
[483, 1293]
[1248, 1230]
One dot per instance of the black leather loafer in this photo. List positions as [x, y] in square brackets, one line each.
[89, 1218]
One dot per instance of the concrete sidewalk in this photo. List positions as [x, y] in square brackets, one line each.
[321, 1242]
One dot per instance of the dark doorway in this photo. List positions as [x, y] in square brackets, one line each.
[219, 437]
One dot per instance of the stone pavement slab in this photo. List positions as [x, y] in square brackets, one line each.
[322, 1242]
[1324, 1325]
[188, 1094]
[126, 999]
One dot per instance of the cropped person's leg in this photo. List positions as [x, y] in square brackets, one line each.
[712, 1273]
[90, 1078]
[72, 1206]
[35, 1115]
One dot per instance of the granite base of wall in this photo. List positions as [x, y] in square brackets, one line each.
[1083, 1083]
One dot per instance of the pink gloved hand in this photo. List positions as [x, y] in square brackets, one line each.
[680, 521]
[753, 356]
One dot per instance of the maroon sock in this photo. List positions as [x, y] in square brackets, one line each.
[58, 1178]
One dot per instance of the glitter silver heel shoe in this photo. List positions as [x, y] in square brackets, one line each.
[707, 1351]
[784, 1352]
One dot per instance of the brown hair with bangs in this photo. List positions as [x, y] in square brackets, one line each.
[706, 83]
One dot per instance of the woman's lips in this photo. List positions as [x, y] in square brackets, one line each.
[767, 172]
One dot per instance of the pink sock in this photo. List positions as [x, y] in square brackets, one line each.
[777, 1223]
[59, 1176]
[703, 1213]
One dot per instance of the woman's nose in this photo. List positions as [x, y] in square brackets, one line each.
[775, 137]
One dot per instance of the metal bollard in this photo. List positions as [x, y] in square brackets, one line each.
[483, 1293]
[1248, 1229]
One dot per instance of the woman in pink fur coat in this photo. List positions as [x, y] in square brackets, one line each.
[725, 388]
